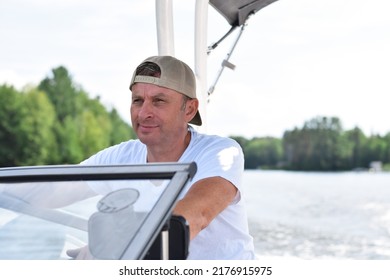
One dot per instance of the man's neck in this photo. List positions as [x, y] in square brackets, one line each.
[169, 154]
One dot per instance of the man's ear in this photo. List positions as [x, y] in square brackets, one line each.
[191, 108]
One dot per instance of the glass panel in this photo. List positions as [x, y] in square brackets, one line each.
[41, 220]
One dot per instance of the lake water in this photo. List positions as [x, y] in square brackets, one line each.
[319, 215]
[291, 215]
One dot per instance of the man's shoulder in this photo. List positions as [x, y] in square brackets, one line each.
[119, 153]
[206, 145]
[129, 144]
[212, 139]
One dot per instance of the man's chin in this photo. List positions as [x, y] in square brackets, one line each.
[148, 139]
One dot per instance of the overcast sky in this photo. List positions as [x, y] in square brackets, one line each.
[296, 59]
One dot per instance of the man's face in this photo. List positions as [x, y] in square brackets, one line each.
[158, 114]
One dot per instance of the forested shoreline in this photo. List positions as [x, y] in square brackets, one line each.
[57, 122]
[321, 144]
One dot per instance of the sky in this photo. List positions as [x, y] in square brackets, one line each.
[296, 60]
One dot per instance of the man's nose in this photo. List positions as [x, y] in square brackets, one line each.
[146, 110]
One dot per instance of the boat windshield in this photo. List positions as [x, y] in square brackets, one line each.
[116, 211]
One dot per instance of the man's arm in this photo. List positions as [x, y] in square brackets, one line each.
[204, 201]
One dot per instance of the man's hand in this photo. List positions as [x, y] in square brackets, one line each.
[80, 253]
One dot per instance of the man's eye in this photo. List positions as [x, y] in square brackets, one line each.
[159, 100]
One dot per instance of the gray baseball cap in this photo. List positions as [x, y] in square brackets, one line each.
[175, 75]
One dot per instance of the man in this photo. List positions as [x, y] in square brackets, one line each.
[163, 104]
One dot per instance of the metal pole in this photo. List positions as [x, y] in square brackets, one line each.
[164, 27]
[200, 49]
[225, 62]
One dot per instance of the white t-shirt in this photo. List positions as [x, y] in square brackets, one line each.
[227, 236]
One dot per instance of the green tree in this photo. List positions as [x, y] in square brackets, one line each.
[376, 149]
[94, 132]
[11, 117]
[358, 141]
[38, 144]
[70, 150]
[63, 93]
[121, 130]
[386, 138]
[84, 125]
[263, 153]
[27, 120]
[319, 145]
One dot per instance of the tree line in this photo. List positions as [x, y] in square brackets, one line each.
[321, 144]
[57, 122]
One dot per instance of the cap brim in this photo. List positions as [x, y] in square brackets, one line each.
[197, 120]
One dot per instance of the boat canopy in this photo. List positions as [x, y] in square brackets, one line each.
[237, 11]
